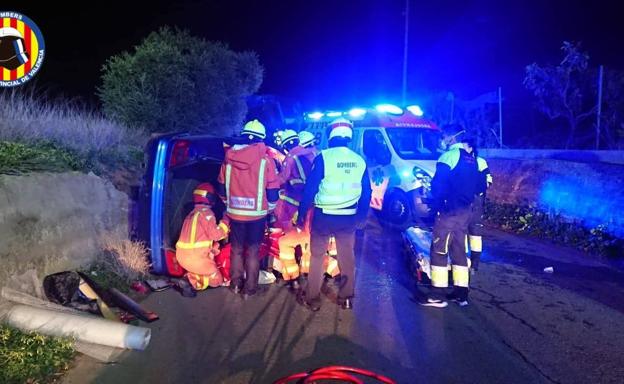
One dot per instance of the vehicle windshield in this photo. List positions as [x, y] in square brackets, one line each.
[415, 144]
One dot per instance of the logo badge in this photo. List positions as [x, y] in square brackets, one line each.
[22, 49]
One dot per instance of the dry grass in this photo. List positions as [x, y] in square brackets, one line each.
[29, 118]
[125, 257]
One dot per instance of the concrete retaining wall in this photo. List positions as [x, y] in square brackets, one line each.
[592, 192]
[51, 221]
[578, 156]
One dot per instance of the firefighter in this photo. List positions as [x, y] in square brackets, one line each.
[475, 228]
[249, 186]
[339, 189]
[307, 140]
[197, 245]
[453, 189]
[295, 169]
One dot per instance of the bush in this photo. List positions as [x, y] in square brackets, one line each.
[32, 358]
[17, 158]
[81, 138]
[532, 221]
[126, 258]
[173, 81]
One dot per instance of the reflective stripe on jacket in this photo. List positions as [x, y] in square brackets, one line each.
[293, 176]
[485, 170]
[247, 173]
[341, 186]
[199, 231]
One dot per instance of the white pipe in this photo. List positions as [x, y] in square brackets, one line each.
[82, 328]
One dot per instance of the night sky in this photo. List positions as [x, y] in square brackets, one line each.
[339, 53]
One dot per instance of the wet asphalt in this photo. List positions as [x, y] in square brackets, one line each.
[522, 325]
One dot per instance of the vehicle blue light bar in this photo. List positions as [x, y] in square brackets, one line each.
[416, 110]
[357, 112]
[389, 108]
[315, 115]
[333, 114]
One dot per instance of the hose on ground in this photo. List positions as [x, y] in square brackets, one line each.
[335, 372]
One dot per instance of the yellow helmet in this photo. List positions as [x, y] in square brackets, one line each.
[287, 136]
[254, 128]
[306, 138]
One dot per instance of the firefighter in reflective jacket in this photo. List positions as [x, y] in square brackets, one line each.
[295, 169]
[339, 188]
[197, 245]
[475, 228]
[453, 188]
[249, 186]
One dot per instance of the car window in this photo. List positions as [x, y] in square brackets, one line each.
[375, 148]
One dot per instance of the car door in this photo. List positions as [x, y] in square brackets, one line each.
[378, 160]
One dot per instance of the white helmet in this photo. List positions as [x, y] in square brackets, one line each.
[341, 127]
[12, 49]
[306, 139]
[254, 128]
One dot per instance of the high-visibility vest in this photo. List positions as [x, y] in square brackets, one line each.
[341, 187]
[483, 168]
[193, 247]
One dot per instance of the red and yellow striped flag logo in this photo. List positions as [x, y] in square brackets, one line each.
[21, 49]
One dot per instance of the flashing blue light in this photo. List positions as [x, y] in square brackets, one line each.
[406, 173]
[579, 199]
[333, 114]
[315, 115]
[389, 108]
[416, 110]
[357, 112]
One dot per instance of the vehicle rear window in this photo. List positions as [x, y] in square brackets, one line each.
[179, 195]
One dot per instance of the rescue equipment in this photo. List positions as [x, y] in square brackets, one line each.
[337, 373]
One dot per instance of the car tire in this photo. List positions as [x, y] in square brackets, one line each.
[397, 211]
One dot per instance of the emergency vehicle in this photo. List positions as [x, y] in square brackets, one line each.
[400, 148]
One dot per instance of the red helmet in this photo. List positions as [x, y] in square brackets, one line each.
[204, 193]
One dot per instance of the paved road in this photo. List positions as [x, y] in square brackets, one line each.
[523, 326]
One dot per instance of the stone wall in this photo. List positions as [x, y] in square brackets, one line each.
[52, 221]
[592, 192]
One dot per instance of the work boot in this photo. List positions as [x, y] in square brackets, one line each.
[313, 305]
[295, 284]
[185, 288]
[235, 288]
[459, 296]
[261, 290]
[431, 302]
[346, 303]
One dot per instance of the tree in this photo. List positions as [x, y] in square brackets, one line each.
[479, 116]
[173, 81]
[613, 109]
[564, 91]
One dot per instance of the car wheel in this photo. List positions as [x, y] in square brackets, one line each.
[397, 210]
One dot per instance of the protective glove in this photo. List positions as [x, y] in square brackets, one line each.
[224, 224]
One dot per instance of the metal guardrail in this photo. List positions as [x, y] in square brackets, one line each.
[578, 156]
